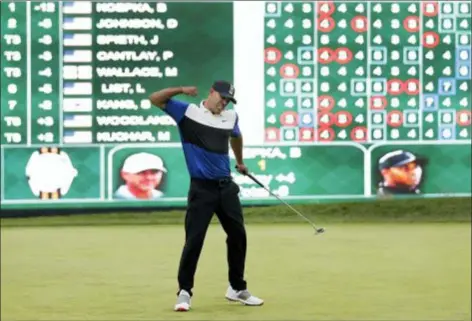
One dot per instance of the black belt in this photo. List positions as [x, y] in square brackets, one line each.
[221, 182]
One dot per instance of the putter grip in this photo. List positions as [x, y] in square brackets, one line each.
[253, 178]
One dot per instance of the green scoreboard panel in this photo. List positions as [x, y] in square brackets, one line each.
[367, 72]
[81, 72]
[344, 87]
[76, 76]
[384, 77]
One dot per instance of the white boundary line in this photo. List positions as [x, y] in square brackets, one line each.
[102, 173]
[246, 199]
[2, 171]
[60, 70]
[28, 68]
[420, 71]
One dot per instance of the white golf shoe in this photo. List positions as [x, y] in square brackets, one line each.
[243, 296]
[183, 301]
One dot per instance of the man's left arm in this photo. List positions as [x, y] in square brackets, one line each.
[237, 147]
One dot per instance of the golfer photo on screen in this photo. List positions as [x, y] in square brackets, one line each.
[142, 174]
[401, 172]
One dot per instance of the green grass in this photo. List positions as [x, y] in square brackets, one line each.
[416, 210]
[364, 271]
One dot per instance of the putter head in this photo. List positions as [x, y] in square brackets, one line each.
[319, 230]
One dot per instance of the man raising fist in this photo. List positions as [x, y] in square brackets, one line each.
[206, 132]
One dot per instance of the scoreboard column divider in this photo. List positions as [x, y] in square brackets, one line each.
[367, 158]
[61, 63]
[315, 74]
[421, 49]
[28, 68]
[369, 82]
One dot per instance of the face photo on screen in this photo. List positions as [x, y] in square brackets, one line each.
[400, 172]
[142, 175]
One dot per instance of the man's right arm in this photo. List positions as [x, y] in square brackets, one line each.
[174, 108]
[161, 97]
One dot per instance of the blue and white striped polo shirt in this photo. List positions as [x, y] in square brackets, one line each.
[205, 138]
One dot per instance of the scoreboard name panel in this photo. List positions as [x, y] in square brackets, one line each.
[348, 87]
[80, 72]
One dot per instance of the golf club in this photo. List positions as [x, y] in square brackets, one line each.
[318, 230]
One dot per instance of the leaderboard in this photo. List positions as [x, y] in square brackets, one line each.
[81, 72]
[367, 72]
[345, 85]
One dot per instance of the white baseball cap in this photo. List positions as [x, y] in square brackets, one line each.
[142, 161]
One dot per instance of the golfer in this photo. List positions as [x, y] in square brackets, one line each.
[206, 132]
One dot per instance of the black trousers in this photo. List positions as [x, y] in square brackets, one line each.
[206, 198]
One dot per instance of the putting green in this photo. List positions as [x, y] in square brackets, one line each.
[353, 271]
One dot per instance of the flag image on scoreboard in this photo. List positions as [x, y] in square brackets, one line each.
[77, 121]
[77, 56]
[77, 39]
[77, 23]
[77, 88]
[77, 105]
[77, 7]
[74, 72]
[77, 137]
